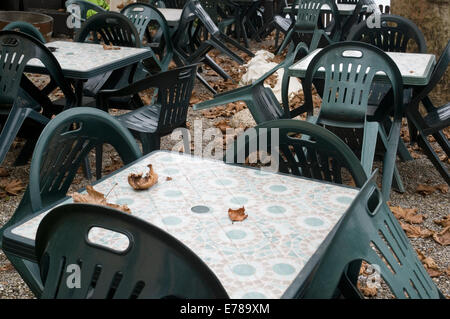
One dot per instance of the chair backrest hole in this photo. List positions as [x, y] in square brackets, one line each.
[97, 236]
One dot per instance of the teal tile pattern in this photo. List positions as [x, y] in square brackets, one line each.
[288, 218]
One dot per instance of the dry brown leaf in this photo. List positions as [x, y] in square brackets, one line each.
[168, 178]
[416, 231]
[110, 47]
[223, 125]
[96, 198]
[428, 189]
[408, 214]
[7, 267]
[139, 182]
[366, 291]
[444, 222]
[237, 215]
[13, 187]
[429, 264]
[3, 172]
[443, 237]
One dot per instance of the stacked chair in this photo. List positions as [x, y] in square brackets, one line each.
[196, 35]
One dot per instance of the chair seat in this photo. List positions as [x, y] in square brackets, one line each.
[282, 22]
[144, 119]
[438, 118]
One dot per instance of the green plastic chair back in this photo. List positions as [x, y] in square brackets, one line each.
[58, 154]
[141, 15]
[307, 22]
[154, 265]
[395, 35]
[370, 232]
[19, 97]
[350, 68]
[112, 28]
[301, 148]
[260, 100]
[26, 28]
[348, 81]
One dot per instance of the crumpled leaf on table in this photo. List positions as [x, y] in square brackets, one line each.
[110, 47]
[415, 231]
[139, 182]
[237, 215]
[96, 198]
[408, 214]
[443, 237]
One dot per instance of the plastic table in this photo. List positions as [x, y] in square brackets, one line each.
[270, 254]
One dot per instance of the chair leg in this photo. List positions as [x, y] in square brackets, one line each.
[98, 161]
[29, 272]
[26, 152]
[150, 142]
[13, 123]
[433, 157]
[213, 65]
[206, 84]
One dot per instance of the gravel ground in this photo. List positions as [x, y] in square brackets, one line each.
[420, 171]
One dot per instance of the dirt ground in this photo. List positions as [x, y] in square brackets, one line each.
[435, 205]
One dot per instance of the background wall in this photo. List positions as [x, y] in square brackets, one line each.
[433, 18]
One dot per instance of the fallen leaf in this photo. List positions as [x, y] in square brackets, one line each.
[237, 215]
[138, 182]
[110, 47]
[428, 189]
[96, 198]
[408, 214]
[14, 187]
[416, 231]
[3, 172]
[168, 178]
[366, 291]
[7, 267]
[443, 237]
[429, 264]
[444, 222]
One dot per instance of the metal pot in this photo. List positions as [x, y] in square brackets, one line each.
[42, 22]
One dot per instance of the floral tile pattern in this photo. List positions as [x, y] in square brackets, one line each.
[288, 218]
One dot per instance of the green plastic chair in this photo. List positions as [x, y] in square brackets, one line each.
[345, 102]
[142, 15]
[164, 114]
[155, 265]
[307, 23]
[434, 120]
[301, 149]
[26, 28]
[196, 35]
[58, 154]
[112, 28]
[259, 99]
[370, 232]
[20, 99]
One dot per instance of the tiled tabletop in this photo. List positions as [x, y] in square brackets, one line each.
[344, 9]
[260, 257]
[85, 60]
[172, 16]
[415, 68]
